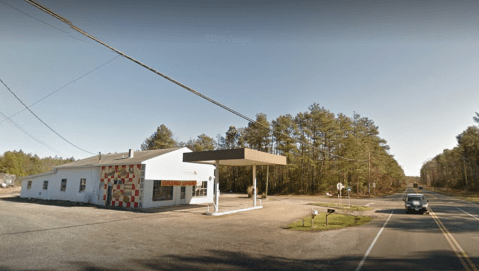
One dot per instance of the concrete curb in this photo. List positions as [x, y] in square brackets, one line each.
[234, 211]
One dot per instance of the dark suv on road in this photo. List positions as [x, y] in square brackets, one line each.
[415, 202]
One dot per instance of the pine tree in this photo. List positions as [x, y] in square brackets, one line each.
[161, 139]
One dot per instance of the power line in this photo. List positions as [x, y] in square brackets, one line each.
[78, 78]
[61, 30]
[28, 134]
[50, 12]
[42, 120]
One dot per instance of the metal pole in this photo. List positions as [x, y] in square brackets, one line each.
[349, 199]
[216, 184]
[267, 176]
[254, 185]
[340, 198]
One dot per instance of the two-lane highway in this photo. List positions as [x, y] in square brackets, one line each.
[446, 239]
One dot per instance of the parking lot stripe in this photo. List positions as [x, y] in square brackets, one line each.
[461, 254]
[372, 244]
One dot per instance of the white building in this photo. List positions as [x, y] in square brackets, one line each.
[135, 179]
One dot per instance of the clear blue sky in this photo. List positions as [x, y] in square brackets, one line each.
[410, 66]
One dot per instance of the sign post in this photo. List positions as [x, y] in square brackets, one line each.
[349, 199]
[340, 186]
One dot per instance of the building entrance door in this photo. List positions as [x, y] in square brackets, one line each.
[108, 195]
[183, 195]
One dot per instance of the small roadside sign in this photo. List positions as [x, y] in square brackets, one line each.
[340, 186]
[349, 188]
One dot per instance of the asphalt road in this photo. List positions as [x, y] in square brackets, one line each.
[35, 236]
[446, 239]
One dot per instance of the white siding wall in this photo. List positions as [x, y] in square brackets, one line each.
[170, 167]
[72, 192]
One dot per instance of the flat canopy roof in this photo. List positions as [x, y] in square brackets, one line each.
[235, 157]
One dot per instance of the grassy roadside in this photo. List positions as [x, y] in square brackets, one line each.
[335, 221]
[382, 193]
[460, 194]
[343, 207]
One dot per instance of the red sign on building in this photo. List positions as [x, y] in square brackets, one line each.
[178, 183]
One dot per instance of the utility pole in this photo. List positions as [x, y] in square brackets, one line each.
[369, 174]
[465, 171]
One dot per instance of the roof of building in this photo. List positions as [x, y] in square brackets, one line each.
[108, 160]
[117, 158]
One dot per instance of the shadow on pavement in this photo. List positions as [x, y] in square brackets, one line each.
[417, 222]
[64, 203]
[226, 260]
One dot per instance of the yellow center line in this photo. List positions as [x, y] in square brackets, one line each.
[461, 254]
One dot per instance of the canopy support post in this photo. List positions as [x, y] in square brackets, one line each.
[216, 184]
[254, 185]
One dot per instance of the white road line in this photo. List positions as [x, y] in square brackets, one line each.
[369, 204]
[372, 244]
[474, 216]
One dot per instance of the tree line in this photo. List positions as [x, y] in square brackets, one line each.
[322, 149]
[24, 164]
[456, 168]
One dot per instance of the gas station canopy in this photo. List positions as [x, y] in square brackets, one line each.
[235, 157]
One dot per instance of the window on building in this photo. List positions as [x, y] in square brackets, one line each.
[201, 190]
[29, 184]
[162, 192]
[45, 185]
[63, 187]
[82, 184]
[183, 192]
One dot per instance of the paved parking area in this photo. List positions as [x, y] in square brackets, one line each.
[49, 237]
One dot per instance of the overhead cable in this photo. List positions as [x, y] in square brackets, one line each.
[28, 134]
[49, 24]
[42, 120]
[78, 78]
[50, 12]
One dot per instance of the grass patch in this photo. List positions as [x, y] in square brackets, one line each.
[335, 221]
[460, 194]
[344, 207]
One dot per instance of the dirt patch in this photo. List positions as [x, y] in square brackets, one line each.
[10, 190]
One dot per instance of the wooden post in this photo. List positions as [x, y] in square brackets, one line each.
[369, 174]
[465, 171]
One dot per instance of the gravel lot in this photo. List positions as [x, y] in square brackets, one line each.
[36, 236]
